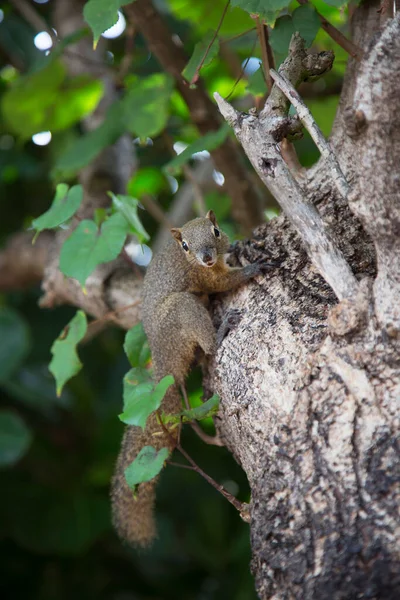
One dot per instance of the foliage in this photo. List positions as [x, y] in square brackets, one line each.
[58, 446]
[65, 362]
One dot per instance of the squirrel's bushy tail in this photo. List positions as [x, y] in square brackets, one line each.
[133, 516]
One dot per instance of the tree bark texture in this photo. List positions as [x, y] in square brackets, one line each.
[309, 386]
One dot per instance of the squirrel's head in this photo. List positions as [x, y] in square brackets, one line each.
[202, 240]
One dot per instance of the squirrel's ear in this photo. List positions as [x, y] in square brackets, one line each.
[210, 215]
[176, 233]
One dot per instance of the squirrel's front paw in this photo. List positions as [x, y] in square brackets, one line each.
[260, 266]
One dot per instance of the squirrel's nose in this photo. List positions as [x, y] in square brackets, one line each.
[208, 259]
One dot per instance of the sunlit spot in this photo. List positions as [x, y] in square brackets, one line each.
[43, 40]
[41, 1]
[218, 178]
[116, 30]
[140, 142]
[139, 253]
[179, 147]
[250, 65]
[202, 155]
[173, 183]
[42, 139]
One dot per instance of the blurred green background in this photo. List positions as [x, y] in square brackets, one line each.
[57, 454]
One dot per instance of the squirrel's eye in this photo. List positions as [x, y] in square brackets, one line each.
[185, 246]
[216, 232]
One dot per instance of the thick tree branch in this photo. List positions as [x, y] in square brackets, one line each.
[246, 202]
[260, 137]
[373, 123]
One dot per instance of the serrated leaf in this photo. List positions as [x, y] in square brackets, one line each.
[65, 362]
[140, 400]
[100, 15]
[306, 22]
[128, 207]
[204, 52]
[15, 438]
[209, 142]
[146, 466]
[65, 204]
[15, 334]
[88, 247]
[136, 346]
[256, 84]
[48, 100]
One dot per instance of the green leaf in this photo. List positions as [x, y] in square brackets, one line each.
[206, 51]
[65, 205]
[256, 83]
[209, 142]
[147, 180]
[15, 438]
[141, 399]
[65, 362]
[336, 3]
[100, 15]
[48, 100]
[87, 247]
[205, 410]
[136, 346]
[266, 8]
[15, 334]
[281, 35]
[306, 22]
[146, 466]
[128, 207]
[146, 105]
[143, 111]
[85, 149]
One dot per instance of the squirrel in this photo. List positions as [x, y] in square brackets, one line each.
[176, 321]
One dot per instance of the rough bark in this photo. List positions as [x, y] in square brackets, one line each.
[310, 388]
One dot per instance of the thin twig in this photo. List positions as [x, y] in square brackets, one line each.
[175, 464]
[239, 35]
[242, 507]
[309, 123]
[108, 316]
[264, 53]
[242, 74]
[199, 67]
[338, 36]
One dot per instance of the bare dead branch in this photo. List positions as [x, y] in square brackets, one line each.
[260, 137]
[309, 123]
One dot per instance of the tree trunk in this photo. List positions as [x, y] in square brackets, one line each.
[310, 388]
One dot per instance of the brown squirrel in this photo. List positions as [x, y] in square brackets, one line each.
[176, 321]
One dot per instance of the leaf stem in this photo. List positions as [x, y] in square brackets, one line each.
[198, 69]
